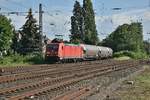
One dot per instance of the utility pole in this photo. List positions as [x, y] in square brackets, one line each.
[40, 19]
[41, 27]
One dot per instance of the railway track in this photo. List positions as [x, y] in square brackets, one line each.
[75, 73]
[34, 89]
[49, 81]
[86, 91]
[50, 72]
[32, 68]
[74, 94]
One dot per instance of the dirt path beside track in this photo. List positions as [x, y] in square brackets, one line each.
[133, 87]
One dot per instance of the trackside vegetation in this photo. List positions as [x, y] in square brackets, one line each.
[126, 37]
[17, 59]
[127, 40]
[6, 34]
[20, 47]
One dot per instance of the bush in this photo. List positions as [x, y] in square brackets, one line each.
[20, 59]
[133, 55]
[35, 58]
[13, 59]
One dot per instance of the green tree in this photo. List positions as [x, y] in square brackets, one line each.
[16, 42]
[6, 33]
[147, 47]
[77, 24]
[91, 36]
[31, 38]
[126, 37]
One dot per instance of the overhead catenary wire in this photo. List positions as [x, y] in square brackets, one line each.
[52, 24]
[9, 11]
[18, 4]
[18, 13]
[3, 8]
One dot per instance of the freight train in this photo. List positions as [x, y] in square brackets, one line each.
[65, 52]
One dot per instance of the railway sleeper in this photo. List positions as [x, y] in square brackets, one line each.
[24, 78]
[70, 82]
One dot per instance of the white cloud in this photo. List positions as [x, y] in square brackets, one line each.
[147, 15]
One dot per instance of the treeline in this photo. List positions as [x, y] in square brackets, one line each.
[128, 39]
[26, 40]
[83, 27]
[22, 46]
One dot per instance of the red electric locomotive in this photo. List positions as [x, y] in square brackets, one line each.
[63, 52]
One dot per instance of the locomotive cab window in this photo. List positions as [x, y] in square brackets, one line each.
[53, 47]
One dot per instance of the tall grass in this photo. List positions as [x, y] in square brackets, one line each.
[17, 59]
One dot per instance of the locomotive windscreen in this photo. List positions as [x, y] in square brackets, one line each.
[53, 47]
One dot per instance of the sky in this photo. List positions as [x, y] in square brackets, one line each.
[57, 13]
